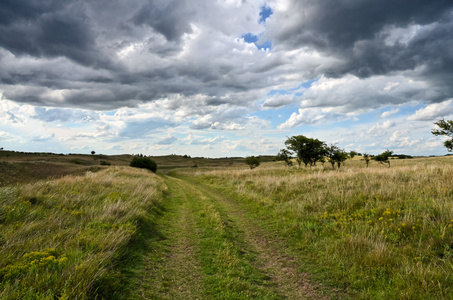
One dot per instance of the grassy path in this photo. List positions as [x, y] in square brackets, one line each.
[270, 255]
[209, 249]
[172, 271]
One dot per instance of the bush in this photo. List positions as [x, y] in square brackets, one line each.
[252, 161]
[144, 163]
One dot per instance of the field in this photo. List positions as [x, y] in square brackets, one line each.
[219, 230]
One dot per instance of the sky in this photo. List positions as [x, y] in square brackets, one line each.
[223, 78]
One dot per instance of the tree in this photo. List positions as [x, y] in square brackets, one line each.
[384, 157]
[285, 155]
[352, 154]
[336, 155]
[144, 163]
[367, 158]
[340, 157]
[331, 154]
[93, 152]
[307, 150]
[445, 128]
[252, 161]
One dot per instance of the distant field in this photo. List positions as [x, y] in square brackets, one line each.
[26, 167]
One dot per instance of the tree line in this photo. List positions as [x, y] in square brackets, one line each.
[309, 151]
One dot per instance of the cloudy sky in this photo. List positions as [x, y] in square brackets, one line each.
[219, 78]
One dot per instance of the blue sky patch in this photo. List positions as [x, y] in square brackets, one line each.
[265, 13]
[307, 84]
[252, 39]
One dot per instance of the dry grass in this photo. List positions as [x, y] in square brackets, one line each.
[385, 232]
[59, 238]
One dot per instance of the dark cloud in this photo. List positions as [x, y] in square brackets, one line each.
[49, 30]
[108, 54]
[170, 18]
[340, 24]
[372, 37]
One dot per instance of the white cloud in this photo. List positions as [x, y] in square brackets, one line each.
[393, 35]
[352, 94]
[380, 128]
[5, 136]
[45, 138]
[433, 111]
[313, 116]
[115, 148]
[390, 112]
[167, 140]
[278, 100]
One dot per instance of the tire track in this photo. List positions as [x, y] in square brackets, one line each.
[211, 249]
[271, 256]
[172, 270]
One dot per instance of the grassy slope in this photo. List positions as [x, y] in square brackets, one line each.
[379, 232]
[19, 167]
[63, 238]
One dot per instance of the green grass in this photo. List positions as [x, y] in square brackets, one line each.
[211, 264]
[377, 232]
[68, 238]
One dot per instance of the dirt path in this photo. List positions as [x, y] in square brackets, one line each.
[271, 255]
[210, 249]
[172, 271]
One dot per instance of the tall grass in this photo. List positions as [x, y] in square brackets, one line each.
[381, 232]
[59, 239]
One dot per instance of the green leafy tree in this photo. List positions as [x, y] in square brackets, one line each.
[252, 161]
[336, 155]
[384, 157]
[352, 154]
[330, 154]
[144, 163]
[445, 128]
[93, 152]
[307, 150]
[340, 157]
[367, 158]
[285, 155]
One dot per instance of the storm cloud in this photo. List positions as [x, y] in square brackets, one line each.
[108, 54]
[372, 37]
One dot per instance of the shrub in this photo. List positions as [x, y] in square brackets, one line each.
[144, 163]
[252, 161]
[384, 157]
